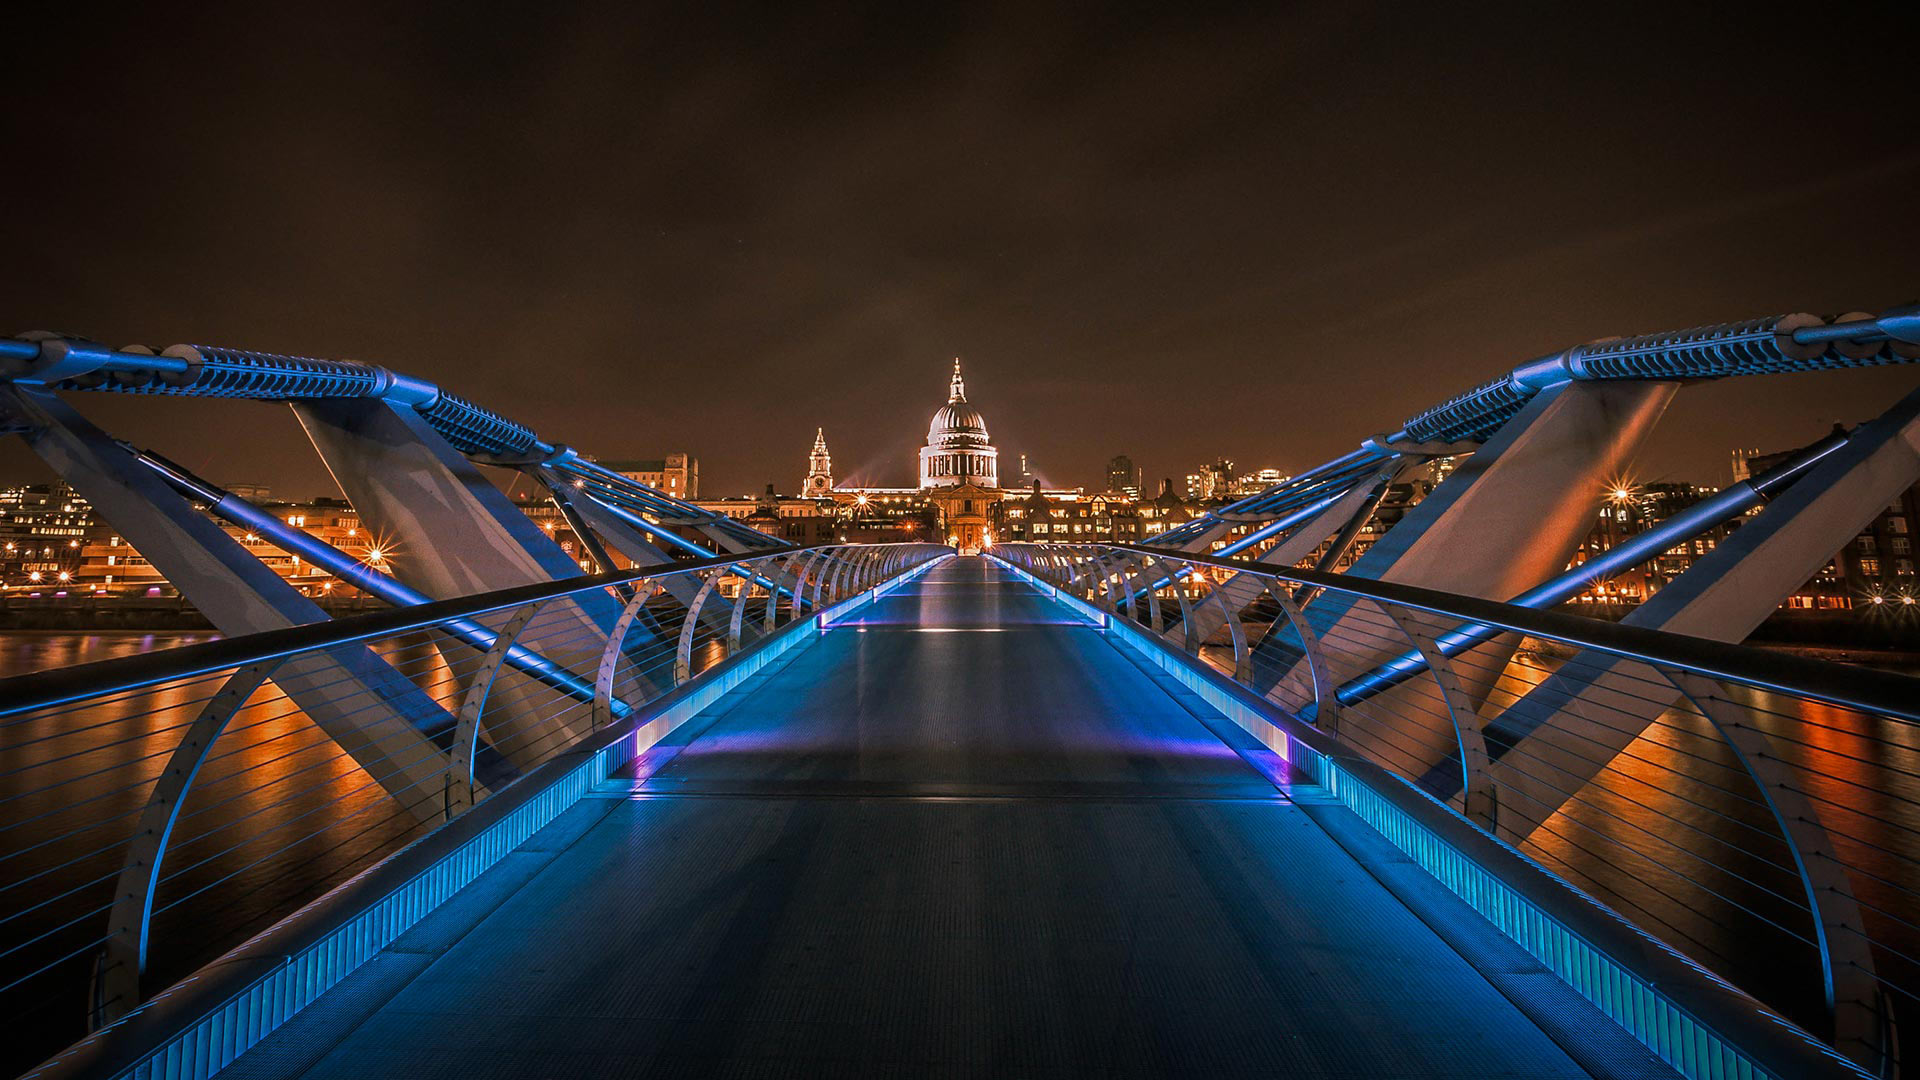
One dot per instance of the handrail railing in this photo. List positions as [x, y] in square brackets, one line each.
[41, 689]
[1847, 686]
[155, 808]
[1737, 803]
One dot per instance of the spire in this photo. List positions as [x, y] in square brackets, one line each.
[819, 481]
[958, 392]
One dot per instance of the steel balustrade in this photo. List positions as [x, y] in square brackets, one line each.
[158, 783]
[1666, 820]
[473, 702]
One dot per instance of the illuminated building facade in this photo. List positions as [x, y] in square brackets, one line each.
[819, 481]
[1875, 570]
[677, 475]
[44, 528]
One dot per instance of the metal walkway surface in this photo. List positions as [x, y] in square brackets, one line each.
[961, 834]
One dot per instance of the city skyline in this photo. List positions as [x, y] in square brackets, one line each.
[879, 466]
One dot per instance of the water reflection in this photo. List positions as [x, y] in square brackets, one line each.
[1674, 833]
[277, 814]
[1677, 835]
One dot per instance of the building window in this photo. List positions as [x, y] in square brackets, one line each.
[1870, 567]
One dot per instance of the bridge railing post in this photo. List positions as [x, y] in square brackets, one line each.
[460, 786]
[130, 919]
[690, 627]
[612, 651]
[788, 579]
[1856, 1003]
[822, 573]
[736, 622]
[1479, 796]
[1177, 584]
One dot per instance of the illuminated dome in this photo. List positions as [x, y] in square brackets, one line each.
[958, 418]
[957, 450]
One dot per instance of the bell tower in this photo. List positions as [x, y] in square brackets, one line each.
[819, 482]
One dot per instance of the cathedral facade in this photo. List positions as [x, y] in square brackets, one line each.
[956, 499]
[958, 450]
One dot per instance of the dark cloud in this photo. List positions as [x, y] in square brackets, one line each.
[1265, 234]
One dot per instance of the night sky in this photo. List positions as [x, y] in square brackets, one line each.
[1263, 235]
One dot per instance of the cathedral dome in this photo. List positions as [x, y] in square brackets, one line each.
[956, 418]
[957, 450]
[956, 421]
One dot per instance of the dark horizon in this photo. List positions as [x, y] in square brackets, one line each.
[1264, 235]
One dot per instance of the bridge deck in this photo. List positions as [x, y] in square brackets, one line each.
[961, 834]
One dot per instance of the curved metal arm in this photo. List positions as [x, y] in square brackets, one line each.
[130, 919]
[1854, 998]
[856, 576]
[1083, 571]
[1100, 577]
[1159, 625]
[1476, 777]
[853, 580]
[1069, 568]
[736, 624]
[788, 579]
[610, 655]
[1126, 576]
[800, 586]
[1242, 656]
[1091, 579]
[1046, 565]
[683, 653]
[1188, 643]
[820, 579]
[1062, 576]
[461, 794]
[830, 578]
[1326, 696]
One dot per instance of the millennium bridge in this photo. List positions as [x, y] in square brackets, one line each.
[1202, 806]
